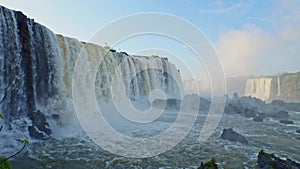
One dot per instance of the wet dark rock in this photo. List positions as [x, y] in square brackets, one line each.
[287, 106]
[261, 114]
[124, 53]
[160, 103]
[189, 102]
[204, 104]
[267, 161]
[170, 104]
[40, 127]
[286, 121]
[195, 102]
[249, 113]
[36, 133]
[279, 115]
[211, 164]
[112, 50]
[251, 107]
[173, 104]
[55, 117]
[258, 119]
[233, 109]
[229, 134]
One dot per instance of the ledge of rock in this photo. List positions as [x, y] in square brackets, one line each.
[268, 161]
[40, 128]
[286, 121]
[229, 134]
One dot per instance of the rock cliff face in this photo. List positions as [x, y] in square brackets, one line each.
[36, 68]
[284, 87]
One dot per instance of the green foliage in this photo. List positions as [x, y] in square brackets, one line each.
[25, 142]
[1, 116]
[211, 164]
[4, 164]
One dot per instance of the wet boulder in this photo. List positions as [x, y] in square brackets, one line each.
[279, 115]
[173, 104]
[249, 113]
[229, 134]
[233, 109]
[258, 119]
[267, 161]
[286, 121]
[55, 117]
[159, 103]
[40, 128]
[169, 104]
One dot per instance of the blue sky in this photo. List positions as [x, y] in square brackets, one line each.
[252, 37]
[81, 19]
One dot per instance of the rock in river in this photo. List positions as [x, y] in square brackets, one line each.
[229, 134]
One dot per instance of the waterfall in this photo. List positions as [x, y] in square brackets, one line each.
[36, 68]
[262, 88]
[279, 87]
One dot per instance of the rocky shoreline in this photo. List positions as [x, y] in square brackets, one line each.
[264, 161]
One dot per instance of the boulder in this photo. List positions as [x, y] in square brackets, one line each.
[40, 127]
[286, 121]
[229, 134]
[169, 104]
[249, 113]
[173, 104]
[279, 115]
[267, 161]
[258, 119]
[55, 117]
[159, 103]
[204, 104]
[233, 109]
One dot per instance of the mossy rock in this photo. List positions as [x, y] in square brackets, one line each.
[266, 160]
[5, 164]
[211, 164]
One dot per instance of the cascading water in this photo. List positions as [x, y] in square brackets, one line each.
[279, 87]
[262, 88]
[36, 68]
[36, 75]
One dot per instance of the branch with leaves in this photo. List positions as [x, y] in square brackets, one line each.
[3, 98]
[1, 116]
[4, 163]
[25, 143]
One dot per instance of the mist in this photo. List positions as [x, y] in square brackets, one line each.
[251, 50]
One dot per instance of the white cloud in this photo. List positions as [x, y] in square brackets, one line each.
[253, 50]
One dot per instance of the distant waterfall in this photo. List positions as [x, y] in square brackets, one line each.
[262, 88]
[279, 87]
[36, 68]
